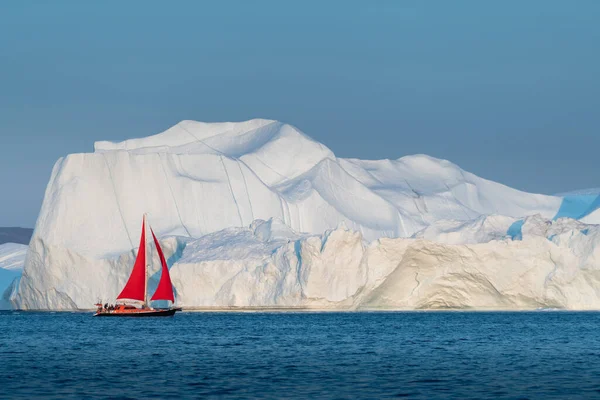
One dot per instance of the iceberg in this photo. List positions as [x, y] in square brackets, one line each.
[15, 235]
[257, 214]
[12, 259]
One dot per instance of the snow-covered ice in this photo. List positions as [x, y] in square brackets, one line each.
[258, 214]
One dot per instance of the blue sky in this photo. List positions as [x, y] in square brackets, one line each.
[507, 90]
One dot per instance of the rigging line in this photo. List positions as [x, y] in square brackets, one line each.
[117, 201]
[173, 196]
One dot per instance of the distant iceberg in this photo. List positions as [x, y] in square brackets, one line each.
[12, 259]
[582, 205]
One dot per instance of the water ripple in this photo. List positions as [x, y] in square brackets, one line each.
[301, 355]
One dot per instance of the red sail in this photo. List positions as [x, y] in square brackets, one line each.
[164, 291]
[135, 289]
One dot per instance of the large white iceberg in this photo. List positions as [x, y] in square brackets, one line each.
[207, 187]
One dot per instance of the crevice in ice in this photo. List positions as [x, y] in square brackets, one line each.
[551, 273]
[173, 195]
[381, 185]
[264, 134]
[324, 240]
[65, 298]
[350, 193]
[298, 251]
[419, 202]
[200, 140]
[285, 212]
[460, 204]
[247, 191]
[480, 277]
[237, 206]
[237, 157]
[418, 284]
[112, 181]
[257, 158]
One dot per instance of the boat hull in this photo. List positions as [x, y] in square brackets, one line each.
[138, 313]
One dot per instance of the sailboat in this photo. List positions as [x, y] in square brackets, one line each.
[136, 288]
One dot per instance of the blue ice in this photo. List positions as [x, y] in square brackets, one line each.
[514, 231]
[578, 206]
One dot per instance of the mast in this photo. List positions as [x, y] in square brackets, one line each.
[146, 267]
[135, 288]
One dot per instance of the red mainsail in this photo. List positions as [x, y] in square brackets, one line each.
[164, 291]
[135, 289]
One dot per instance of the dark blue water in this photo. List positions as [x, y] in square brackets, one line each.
[301, 355]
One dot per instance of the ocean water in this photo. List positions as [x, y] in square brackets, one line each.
[421, 355]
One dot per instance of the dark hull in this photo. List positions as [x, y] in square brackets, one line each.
[139, 314]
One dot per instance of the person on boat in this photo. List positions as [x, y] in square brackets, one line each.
[136, 287]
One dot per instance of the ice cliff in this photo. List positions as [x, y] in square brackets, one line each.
[553, 264]
[207, 187]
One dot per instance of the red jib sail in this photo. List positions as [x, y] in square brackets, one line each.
[135, 289]
[164, 291]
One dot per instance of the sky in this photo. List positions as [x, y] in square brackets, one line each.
[507, 90]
